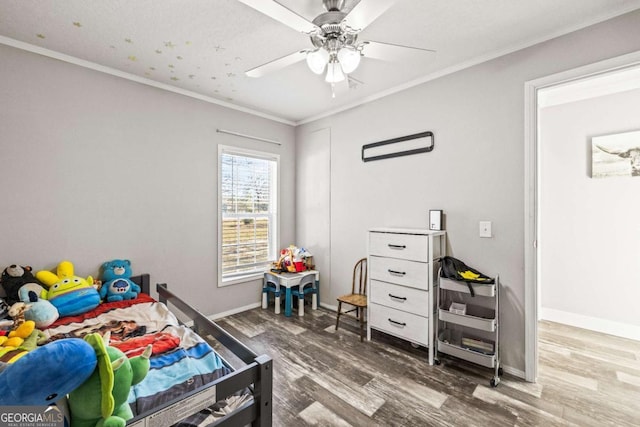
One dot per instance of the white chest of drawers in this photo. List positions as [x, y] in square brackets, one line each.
[401, 283]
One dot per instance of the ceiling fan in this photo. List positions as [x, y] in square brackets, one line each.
[334, 36]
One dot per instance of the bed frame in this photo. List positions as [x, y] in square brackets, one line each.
[256, 375]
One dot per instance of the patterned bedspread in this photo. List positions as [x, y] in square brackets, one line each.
[181, 360]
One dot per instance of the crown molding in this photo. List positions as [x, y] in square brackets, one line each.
[134, 78]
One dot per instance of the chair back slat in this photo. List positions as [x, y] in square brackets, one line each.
[308, 279]
[270, 279]
[359, 277]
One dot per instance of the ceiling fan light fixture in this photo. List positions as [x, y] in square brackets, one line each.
[349, 59]
[317, 59]
[334, 72]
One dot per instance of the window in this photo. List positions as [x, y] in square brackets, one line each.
[248, 214]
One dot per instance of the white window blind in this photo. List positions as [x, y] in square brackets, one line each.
[248, 212]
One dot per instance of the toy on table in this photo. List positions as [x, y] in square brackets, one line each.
[48, 373]
[13, 278]
[292, 259]
[306, 258]
[101, 400]
[117, 285]
[70, 294]
[286, 260]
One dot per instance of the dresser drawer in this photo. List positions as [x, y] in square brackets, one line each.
[399, 271]
[404, 246]
[405, 325]
[399, 297]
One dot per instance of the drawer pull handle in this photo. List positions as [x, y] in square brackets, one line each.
[397, 297]
[397, 323]
[397, 246]
[397, 273]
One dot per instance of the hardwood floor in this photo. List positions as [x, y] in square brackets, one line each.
[326, 378]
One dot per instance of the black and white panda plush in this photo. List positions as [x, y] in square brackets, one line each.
[12, 279]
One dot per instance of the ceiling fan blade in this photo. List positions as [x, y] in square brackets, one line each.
[277, 64]
[367, 11]
[353, 83]
[342, 88]
[282, 14]
[387, 51]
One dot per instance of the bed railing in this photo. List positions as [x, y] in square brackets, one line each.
[205, 326]
[256, 375]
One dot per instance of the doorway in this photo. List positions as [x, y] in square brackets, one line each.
[534, 92]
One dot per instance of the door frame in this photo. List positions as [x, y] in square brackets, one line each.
[531, 189]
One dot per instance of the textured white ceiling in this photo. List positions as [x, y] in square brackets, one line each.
[205, 46]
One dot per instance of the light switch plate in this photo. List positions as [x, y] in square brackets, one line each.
[485, 229]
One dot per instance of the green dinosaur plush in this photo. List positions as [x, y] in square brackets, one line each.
[33, 340]
[101, 401]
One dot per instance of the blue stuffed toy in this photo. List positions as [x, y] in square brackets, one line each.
[41, 311]
[116, 285]
[48, 373]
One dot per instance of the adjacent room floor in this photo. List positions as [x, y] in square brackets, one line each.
[328, 378]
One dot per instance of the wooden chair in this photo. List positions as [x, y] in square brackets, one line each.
[358, 296]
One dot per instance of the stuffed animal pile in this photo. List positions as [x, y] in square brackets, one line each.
[86, 377]
[45, 297]
[96, 378]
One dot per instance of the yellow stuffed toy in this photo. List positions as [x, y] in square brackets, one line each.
[70, 294]
[16, 337]
[20, 341]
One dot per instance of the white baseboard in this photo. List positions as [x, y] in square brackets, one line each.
[610, 327]
[329, 307]
[513, 371]
[234, 311]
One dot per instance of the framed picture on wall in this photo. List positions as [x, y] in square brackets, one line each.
[615, 155]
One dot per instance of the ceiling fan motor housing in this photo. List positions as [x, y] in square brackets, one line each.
[333, 5]
[330, 24]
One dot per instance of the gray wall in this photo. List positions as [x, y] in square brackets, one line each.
[94, 167]
[476, 171]
[589, 233]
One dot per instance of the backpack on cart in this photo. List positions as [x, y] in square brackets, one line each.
[454, 269]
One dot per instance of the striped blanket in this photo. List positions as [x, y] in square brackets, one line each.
[181, 360]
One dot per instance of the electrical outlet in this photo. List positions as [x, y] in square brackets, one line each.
[485, 229]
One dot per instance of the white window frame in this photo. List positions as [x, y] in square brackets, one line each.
[274, 228]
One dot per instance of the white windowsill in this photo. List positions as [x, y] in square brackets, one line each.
[241, 279]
